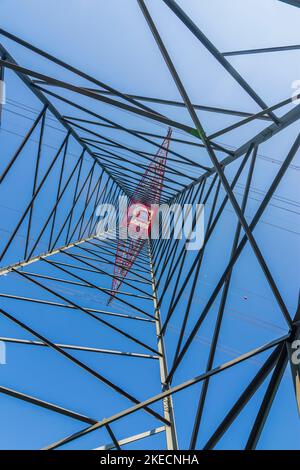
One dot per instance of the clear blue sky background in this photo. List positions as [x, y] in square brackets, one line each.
[111, 41]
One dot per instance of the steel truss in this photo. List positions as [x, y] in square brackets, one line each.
[58, 255]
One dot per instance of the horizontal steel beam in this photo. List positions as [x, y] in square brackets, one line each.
[42, 98]
[180, 104]
[136, 437]
[21, 264]
[47, 405]
[262, 50]
[294, 3]
[68, 306]
[78, 348]
[90, 94]
[195, 30]
[288, 119]
[170, 391]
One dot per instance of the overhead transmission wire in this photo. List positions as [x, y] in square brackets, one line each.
[286, 201]
[228, 210]
[183, 165]
[161, 126]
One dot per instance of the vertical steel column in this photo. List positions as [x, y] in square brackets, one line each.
[171, 435]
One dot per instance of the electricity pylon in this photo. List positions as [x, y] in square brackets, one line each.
[142, 351]
[139, 216]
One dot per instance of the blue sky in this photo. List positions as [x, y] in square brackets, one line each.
[111, 41]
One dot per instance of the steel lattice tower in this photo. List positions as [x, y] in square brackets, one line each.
[56, 254]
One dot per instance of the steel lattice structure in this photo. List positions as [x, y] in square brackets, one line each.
[60, 258]
[148, 189]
